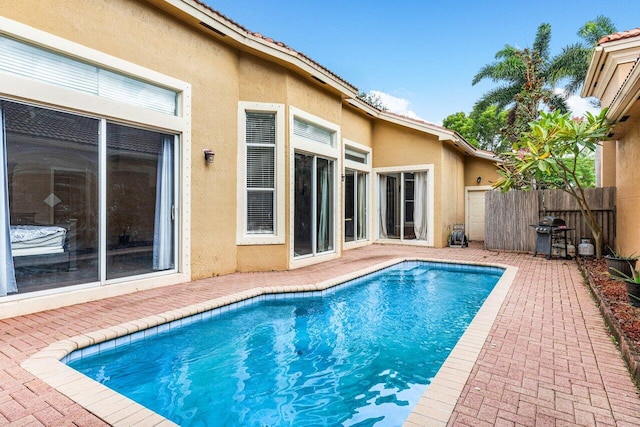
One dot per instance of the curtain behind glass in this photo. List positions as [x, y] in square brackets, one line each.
[324, 205]
[138, 212]
[362, 205]
[420, 208]
[163, 224]
[7, 272]
[382, 197]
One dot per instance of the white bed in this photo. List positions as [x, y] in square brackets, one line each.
[29, 240]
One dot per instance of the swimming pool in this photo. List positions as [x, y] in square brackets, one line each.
[361, 353]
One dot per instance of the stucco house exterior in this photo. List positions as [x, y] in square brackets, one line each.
[154, 142]
[614, 78]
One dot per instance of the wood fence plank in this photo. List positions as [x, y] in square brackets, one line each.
[509, 215]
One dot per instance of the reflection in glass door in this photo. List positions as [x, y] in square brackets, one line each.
[355, 206]
[313, 205]
[403, 208]
[140, 201]
[52, 185]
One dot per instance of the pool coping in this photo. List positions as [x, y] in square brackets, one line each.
[435, 407]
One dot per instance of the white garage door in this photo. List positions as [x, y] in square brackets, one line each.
[475, 214]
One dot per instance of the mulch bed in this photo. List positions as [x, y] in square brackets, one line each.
[622, 318]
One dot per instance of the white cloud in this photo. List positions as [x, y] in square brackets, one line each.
[579, 106]
[395, 105]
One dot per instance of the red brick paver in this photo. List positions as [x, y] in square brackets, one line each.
[548, 359]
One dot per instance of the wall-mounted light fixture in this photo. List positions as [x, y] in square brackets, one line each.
[479, 179]
[208, 155]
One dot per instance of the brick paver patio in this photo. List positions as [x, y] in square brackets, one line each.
[548, 359]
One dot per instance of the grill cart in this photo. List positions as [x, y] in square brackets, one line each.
[551, 232]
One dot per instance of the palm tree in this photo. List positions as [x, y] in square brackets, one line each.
[524, 77]
[572, 63]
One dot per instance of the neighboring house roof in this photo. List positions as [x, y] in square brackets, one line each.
[236, 34]
[619, 36]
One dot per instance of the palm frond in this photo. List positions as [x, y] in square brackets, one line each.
[594, 30]
[573, 61]
[542, 41]
[501, 97]
[557, 102]
[488, 71]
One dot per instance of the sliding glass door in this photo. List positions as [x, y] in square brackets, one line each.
[403, 207]
[313, 205]
[355, 205]
[75, 216]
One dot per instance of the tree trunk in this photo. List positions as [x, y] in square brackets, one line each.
[598, 238]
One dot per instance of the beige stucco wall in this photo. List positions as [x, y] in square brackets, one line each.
[452, 205]
[608, 164]
[262, 81]
[356, 127]
[185, 54]
[475, 167]
[220, 76]
[396, 146]
[628, 192]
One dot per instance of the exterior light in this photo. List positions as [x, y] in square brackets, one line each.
[208, 155]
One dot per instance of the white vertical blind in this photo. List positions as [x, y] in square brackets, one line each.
[25, 60]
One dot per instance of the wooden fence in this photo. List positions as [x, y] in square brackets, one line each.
[509, 216]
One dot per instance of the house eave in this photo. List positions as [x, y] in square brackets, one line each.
[203, 18]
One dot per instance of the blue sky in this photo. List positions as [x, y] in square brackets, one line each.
[420, 54]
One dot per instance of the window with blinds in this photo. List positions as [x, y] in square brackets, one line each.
[312, 132]
[261, 172]
[25, 60]
[355, 156]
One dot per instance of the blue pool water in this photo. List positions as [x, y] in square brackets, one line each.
[362, 354]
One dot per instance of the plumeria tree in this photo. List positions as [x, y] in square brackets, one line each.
[550, 153]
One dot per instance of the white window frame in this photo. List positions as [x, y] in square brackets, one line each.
[25, 90]
[242, 236]
[362, 168]
[429, 168]
[313, 148]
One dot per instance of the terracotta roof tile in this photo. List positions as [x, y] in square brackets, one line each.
[620, 36]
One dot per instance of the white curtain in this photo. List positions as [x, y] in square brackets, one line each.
[7, 271]
[362, 206]
[163, 225]
[420, 208]
[382, 198]
[324, 208]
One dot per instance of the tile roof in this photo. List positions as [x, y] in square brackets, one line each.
[619, 36]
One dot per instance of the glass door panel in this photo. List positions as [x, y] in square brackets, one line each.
[361, 203]
[349, 206]
[303, 205]
[52, 165]
[140, 201]
[324, 205]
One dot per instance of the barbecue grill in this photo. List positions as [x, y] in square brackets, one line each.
[550, 231]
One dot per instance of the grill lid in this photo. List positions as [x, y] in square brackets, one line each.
[552, 221]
